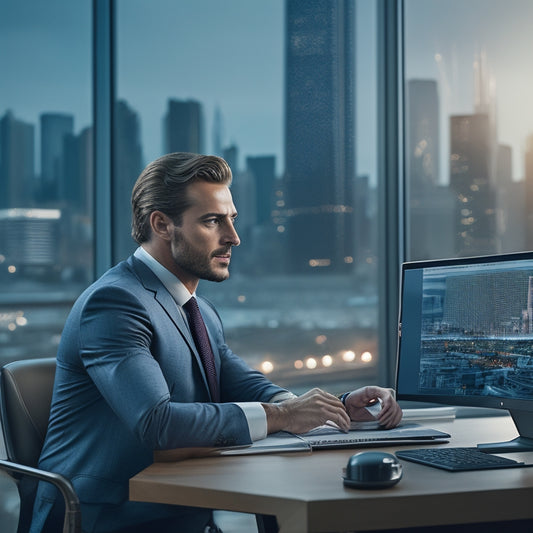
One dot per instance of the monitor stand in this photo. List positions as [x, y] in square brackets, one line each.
[524, 443]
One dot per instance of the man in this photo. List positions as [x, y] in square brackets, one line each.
[130, 376]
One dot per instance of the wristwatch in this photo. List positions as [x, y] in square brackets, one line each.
[343, 397]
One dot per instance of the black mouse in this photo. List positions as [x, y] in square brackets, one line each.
[372, 470]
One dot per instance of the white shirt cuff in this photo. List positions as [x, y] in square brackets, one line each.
[256, 416]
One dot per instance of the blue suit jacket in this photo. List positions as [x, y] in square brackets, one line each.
[130, 381]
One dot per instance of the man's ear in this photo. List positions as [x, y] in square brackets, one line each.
[162, 226]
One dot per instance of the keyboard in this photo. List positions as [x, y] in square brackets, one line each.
[456, 459]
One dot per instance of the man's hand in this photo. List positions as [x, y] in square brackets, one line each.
[390, 414]
[301, 414]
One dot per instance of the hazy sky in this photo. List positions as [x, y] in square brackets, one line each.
[226, 54]
[229, 53]
[459, 30]
[223, 53]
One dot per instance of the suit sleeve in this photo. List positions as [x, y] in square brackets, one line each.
[116, 337]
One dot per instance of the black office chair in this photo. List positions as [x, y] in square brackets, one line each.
[26, 394]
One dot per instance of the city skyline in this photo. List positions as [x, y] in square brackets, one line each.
[427, 22]
[229, 57]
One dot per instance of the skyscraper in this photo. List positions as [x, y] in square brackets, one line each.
[78, 166]
[485, 104]
[262, 168]
[319, 133]
[17, 162]
[218, 132]
[430, 206]
[470, 167]
[183, 126]
[30, 240]
[422, 119]
[55, 127]
[77, 213]
[128, 164]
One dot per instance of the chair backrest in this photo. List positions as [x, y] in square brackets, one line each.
[26, 390]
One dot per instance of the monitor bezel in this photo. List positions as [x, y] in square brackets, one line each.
[491, 402]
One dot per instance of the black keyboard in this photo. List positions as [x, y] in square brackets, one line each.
[456, 459]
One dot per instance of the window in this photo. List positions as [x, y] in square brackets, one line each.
[284, 91]
[468, 127]
[46, 246]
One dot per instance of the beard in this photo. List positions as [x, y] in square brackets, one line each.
[196, 262]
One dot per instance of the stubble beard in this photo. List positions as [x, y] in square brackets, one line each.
[187, 258]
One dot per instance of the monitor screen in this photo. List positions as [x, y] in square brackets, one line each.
[466, 335]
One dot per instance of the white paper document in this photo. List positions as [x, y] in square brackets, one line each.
[327, 437]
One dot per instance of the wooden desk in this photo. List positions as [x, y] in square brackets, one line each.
[306, 493]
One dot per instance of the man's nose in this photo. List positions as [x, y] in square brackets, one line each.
[232, 237]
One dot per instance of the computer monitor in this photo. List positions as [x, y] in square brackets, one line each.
[466, 337]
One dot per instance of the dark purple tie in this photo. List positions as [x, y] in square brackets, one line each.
[201, 339]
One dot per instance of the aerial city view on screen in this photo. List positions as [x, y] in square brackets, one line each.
[477, 334]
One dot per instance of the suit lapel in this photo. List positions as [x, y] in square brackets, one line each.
[153, 284]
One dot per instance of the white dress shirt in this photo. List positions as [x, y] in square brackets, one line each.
[253, 411]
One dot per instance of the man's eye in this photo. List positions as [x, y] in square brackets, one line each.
[212, 221]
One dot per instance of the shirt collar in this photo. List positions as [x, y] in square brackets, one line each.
[175, 287]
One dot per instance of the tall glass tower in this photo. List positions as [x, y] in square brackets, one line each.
[319, 134]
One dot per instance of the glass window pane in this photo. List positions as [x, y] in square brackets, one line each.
[279, 89]
[469, 127]
[46, 249]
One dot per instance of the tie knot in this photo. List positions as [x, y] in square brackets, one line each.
[191, 305]
[193, 311]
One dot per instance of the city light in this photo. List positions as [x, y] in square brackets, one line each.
[241, 298]
[17, 212]
[311, 363]
[348, 356]
[267, 367]
[21, 321]
[327, 360]
[366, 357]
[319, 262]
[298, 364]
[11, 269]
[321, 339]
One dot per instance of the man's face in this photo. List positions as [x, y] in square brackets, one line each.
[201, 245]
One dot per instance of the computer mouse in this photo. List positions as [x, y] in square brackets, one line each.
[372, 470]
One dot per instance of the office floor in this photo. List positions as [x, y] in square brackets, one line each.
[9, 504]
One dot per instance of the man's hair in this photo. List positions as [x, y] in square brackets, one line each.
[162, 186]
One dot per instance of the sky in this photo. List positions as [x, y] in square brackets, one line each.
[235, 62]
[226, 54]
[501, 29]
[230, 54]
[231, 58]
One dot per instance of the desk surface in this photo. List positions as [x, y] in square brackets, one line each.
[306, 493]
